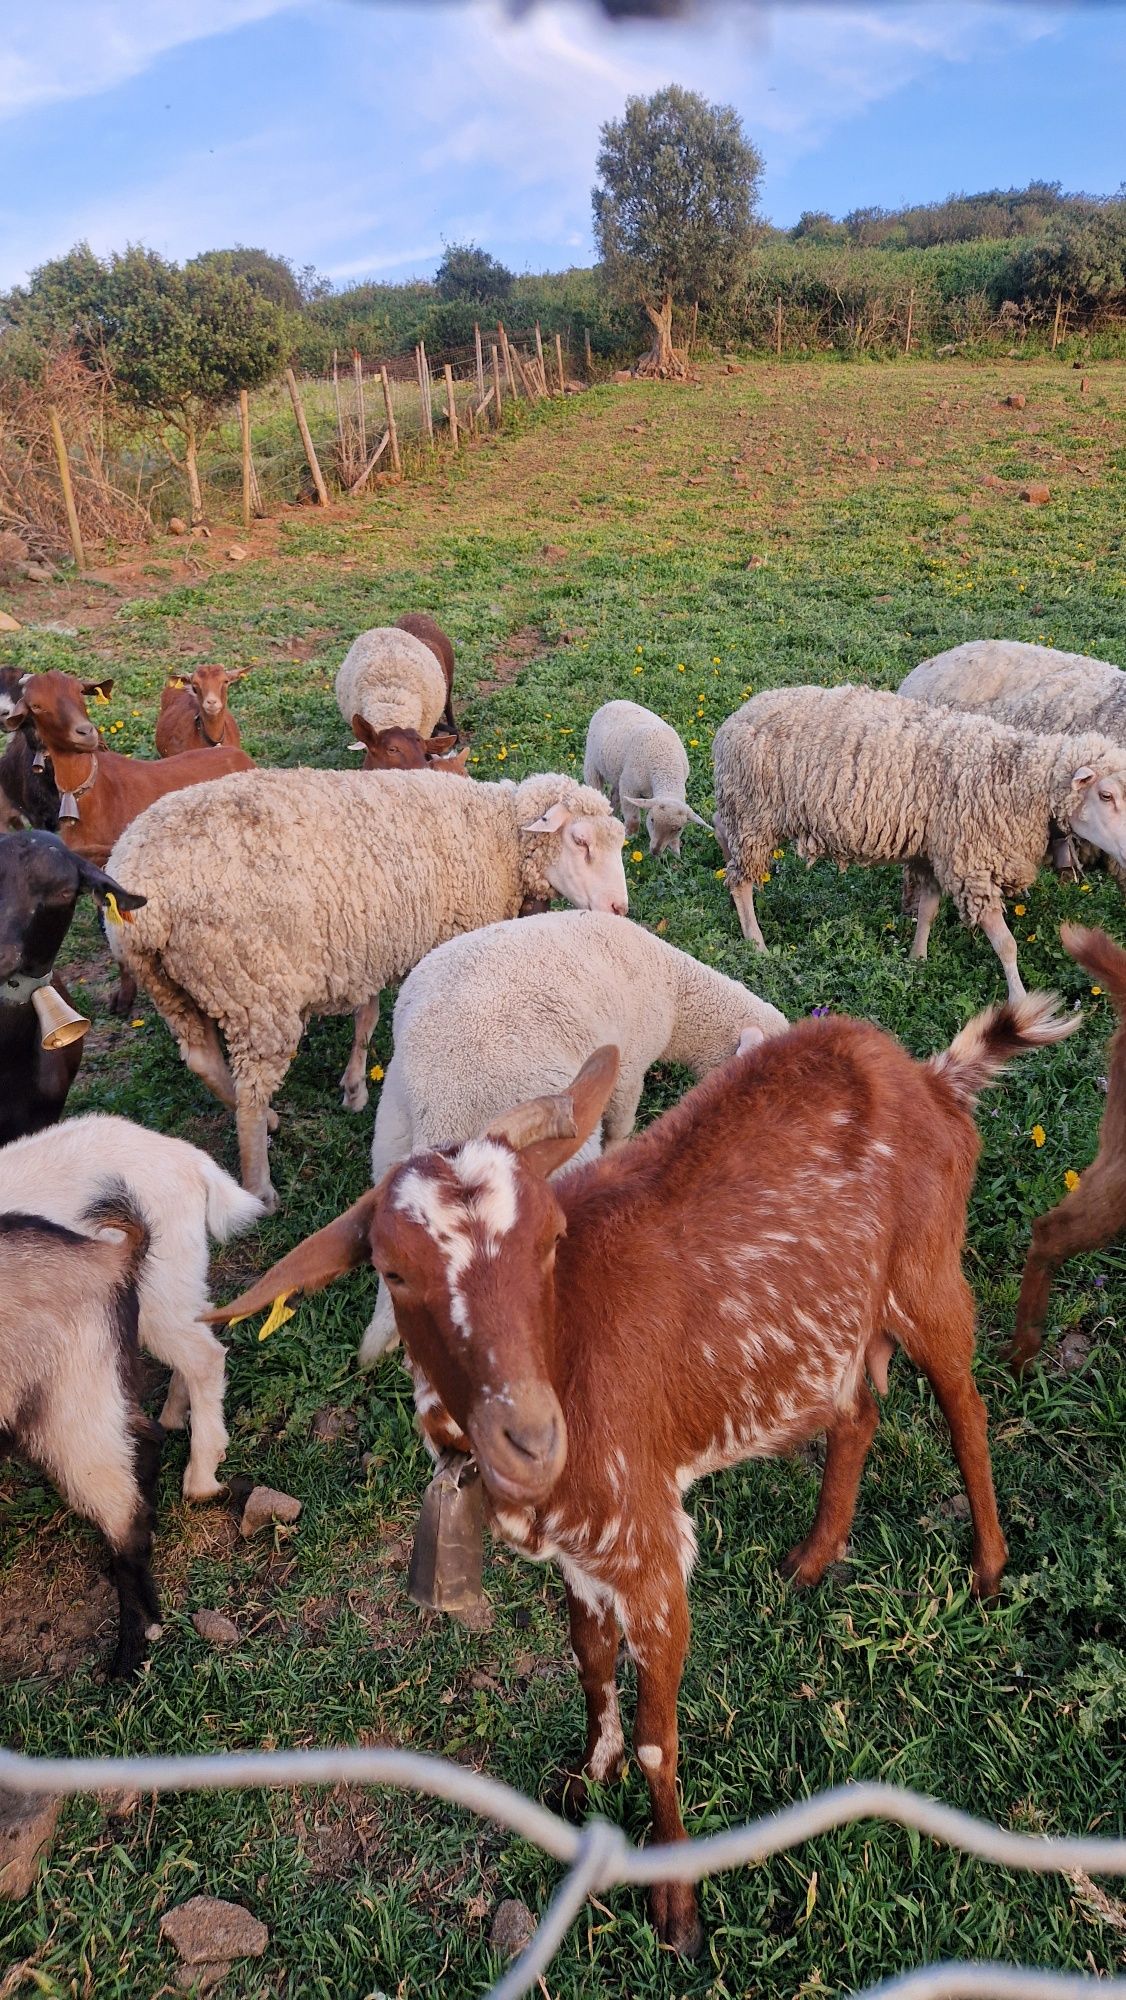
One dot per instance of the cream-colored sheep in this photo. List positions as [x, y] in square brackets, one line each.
[393, 680]
[854, 774]
[285, 894]
[640, 760]
[513, 1011]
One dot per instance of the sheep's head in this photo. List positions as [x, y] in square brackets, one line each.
[1097, 807]
[666, 819]
[570, 845]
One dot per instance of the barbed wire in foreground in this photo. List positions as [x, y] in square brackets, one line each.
[600, 1857]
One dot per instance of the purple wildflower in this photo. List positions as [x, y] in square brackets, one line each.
[1100, 1281]
[818, 1012]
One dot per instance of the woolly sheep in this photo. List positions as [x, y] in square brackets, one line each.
[69, 1397]
[309, 890]
[391, 679]
[860, 775]
[514, 1010]
[184, 1198]
[642, 763]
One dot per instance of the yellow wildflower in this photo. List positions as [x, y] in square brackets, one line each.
[641, 649]
[720, 873]
[636, 855]
[501, 754]
[764, 878]
[693, 742]
[1071, 1180]
[1038, 1135]
[639, 670]
[139, 1022]
[1096, 990]
[680, 666]
[1084, 888]
[1018, 909]
[778, 854]
[376, 1072]
[1032, 937]
[715, 659]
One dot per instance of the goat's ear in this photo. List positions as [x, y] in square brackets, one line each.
[548, 1131]
[102, 688]
[237, 673]
[339, 1247]
[367, 737]
[550, 821]
[436, 746]
[101, 885]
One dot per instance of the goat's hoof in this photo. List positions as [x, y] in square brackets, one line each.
[804, 1569]
[673, 1909]
[1020, 1352]
[121, 1002]
[271, 1120]
[986, 1584]
[355, 1096]
[196, 1490]
[268, 1196]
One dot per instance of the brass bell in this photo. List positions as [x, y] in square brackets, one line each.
[58, 1020]
[447, 1558]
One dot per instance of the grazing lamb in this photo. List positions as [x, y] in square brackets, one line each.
[643, 764]
[423, 627]
[717, 1290]
[1093, 1213]
[195, 716]
[186, 1198]
[309, 890]
[854, 774]
[515, 1009]
[69, 1398]
[389, 679]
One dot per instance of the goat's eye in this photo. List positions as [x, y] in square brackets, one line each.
[393, 1278]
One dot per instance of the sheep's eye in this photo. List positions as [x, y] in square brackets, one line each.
[1107, 798]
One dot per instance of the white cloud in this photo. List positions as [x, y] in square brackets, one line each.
[77, 48]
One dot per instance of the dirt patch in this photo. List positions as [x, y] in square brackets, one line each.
[511, 657]
[56, 1614]
[339, 1834]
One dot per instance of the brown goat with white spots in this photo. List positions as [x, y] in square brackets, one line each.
[721, 1288]
[194, 714]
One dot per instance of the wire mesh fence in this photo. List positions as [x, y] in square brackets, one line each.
[599, 1857]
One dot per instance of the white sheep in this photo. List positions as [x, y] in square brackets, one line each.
[513, 1011]
[69, 1398]
[855, 774]
[185, 1198]
[391, 680]
[640, 760]
[284, 894]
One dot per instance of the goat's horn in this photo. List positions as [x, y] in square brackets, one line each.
[57, 1018]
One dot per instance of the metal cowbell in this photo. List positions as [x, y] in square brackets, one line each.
[447, 1558]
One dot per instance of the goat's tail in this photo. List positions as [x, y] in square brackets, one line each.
[230, 1209]
[117, 1207]
[1101, 957]
[979, 1053]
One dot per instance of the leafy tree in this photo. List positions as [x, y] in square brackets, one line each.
[467, 272]
[177, 344]
[674, 207]
[816, 225]
[272, 278]
[1082, 261]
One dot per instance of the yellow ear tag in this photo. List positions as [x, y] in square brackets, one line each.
[113, 914]
[279, 1313]
[175, 684]
[103, 698]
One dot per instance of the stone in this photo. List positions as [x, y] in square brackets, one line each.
[1016, 401]
[1084, 386]
[264, 1505]
[200, 533]
[38, 573]
[960, 1507]
[1036, 495]
[993, 481]
[512, 1928]
[623, 374]
[8, 623]
[206, 1929]
[27, 1829]
[215, 1628]
[13, 548]
[176, 526]
[236, 553]
[1073, 1353]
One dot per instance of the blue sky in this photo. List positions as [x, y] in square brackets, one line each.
[359, 136]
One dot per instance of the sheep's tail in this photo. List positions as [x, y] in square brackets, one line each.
[984, 1046]
[1101, 957]
[230, 1209]
[117, 1207]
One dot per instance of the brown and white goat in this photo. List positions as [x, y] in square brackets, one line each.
[718, 1289]
[1094, 1212]
[194, 714]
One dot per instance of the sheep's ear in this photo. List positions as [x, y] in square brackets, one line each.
[698, 820]
[102, 885]
[1084, 776]
[550, 821]
[749, 1039]
[548, 1131]
[642, 805]
[339, 1247]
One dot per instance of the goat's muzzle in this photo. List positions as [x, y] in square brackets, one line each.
[519, 1437]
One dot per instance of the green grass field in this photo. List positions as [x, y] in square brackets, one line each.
[682, 546]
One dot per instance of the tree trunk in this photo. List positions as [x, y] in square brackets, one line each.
[191, 467]
[663, 358]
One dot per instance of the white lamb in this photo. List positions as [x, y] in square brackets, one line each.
[642, 763]
[514, 1010]
[60, 1174]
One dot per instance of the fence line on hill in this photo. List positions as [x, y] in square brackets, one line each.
[600, 1857]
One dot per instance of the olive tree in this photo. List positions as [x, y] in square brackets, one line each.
[674, 208]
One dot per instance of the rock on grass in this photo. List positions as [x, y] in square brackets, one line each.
[512, 1927]
[264, 1505]
[206, 1930]
[27, 1828]
[215, 1628]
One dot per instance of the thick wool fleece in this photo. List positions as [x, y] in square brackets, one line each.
[1029, 687]
[393, 680]
[631, 750]
[855, 774]
[285, 894]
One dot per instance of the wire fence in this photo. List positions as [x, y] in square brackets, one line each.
[598, 1856]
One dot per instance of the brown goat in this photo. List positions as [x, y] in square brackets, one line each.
[102, 790]
[194, 715]
[397, 749]
[423, 627]
[716, 1290]
[1094, 1212]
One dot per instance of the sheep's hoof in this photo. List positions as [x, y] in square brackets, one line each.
[268, 1196]
[196, 1490]
[271, 1120]
[355, 1095]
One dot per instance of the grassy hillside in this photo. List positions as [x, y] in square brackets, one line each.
[682, 546]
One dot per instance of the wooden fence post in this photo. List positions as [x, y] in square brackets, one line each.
[586, 345]
[778, 326]
[306, 438]
[244, 426]
[68, 490]
[339, 411]
[391, 431]
[451, 407]
[420, 364]
[358, 371]
[1056, 322]
[497, 412]
[910, 319]
[480, 363]
[559, 363]
[539, 358]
